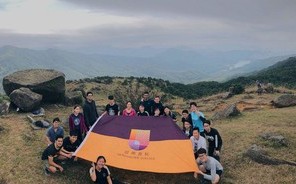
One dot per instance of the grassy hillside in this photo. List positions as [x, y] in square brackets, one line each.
[21, 147]
[281, 74]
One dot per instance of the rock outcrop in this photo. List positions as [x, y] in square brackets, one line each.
[4, 107]
[277, 139]
[258, 155]
[229, 111]
[25, 99]
[73, 98]
[49, 83]
[285, 101]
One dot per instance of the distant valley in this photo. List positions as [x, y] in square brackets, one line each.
[175, 65]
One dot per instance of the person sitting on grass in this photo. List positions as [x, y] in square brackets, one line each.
[99, 173]
[214, 140]
[70, 144]
[54, 131]
[53, 154]
[209, 168]
[197, 141]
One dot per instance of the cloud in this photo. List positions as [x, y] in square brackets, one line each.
[227, 24]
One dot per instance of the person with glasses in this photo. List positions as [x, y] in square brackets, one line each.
[209, 168]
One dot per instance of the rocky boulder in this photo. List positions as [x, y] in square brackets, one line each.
[259, 155]
[25, 99]
[229, 111]
[285, 100]
[277, 139]
[49, 83]
[4, 107]
[73, 98]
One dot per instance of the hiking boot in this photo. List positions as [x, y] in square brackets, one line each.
[46, 171]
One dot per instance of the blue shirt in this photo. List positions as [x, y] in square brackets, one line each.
[51, 134]
[196, 121]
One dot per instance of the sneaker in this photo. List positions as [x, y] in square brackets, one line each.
[46, 171]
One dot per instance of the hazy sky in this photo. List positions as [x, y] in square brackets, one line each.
[199, 24]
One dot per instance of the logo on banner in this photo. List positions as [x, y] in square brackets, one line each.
[139, 139]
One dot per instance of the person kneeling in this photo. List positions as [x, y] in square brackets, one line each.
[70, 144]
[99, 173]
[52, 154]
[209, 167]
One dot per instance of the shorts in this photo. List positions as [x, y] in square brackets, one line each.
[46, 164]
[218, 172]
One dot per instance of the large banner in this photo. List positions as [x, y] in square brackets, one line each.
[140, 143]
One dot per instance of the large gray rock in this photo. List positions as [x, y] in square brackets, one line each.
[259, 155]
[277, 139]
[4, 107]
[229, 111]
[49, 83]
[73, 98]
[25, 99]
[285, 100]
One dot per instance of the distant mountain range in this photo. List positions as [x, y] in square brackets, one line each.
[283, 74]
[175, 65]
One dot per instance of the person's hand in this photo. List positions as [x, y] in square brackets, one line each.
[75, 159]
[217, 152]
[61, 168]
[69, 155]
[195, 174]
[93, 165]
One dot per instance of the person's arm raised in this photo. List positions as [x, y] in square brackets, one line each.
[92, 172]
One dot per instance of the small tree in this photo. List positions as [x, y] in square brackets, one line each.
[238, 89]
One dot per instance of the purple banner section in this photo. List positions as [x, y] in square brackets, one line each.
[161, 128]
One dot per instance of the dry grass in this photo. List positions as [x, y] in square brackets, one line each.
[21, 147]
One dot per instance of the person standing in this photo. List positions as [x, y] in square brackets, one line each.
[197, 118]
[169, 113]
[90, 110]
[157, 105]
[214, 140]
[142, 111]
[77, 124]
[112, 109]
[147, 103]
[129, 110]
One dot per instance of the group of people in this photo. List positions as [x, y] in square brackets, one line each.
[206, 141]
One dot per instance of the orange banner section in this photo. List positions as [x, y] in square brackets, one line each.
[168, 156]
